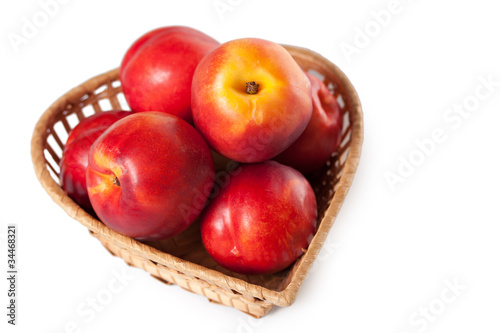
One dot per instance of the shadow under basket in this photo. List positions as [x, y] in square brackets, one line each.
[182, 260]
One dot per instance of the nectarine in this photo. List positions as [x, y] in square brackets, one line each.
[250, 99]
[149, 175]
[262, 220]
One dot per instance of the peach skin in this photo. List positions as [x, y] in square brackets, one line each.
[250, 99]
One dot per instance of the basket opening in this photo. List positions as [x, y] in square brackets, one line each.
[88, 111]
[58, 150]
[122, 101]
[317, 74]
[101, 89]
[341, 102]
[105, 104]
[72, 120]
[53, 166]
[60, 131]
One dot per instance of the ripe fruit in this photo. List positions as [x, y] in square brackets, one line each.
[98, 121]
[250, 99]
[322, 135]
[261, 221]
[157, 70]
[74, 161]
[149, 175]
[73, 167]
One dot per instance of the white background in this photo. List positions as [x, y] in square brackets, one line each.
[393, 252]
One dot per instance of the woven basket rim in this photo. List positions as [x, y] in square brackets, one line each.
[284, 297]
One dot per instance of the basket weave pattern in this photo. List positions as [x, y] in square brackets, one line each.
[182, 260]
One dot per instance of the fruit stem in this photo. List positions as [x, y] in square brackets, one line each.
[116, 181]
[252, 88]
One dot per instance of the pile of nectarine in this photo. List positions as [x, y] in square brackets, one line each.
[149, 173]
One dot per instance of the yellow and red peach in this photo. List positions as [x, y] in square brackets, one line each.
[74, 161]
[250, 99]
[149, 175]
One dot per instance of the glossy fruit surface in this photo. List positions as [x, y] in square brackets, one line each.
[74, 161]
[157, 70]
[262, 221]
[149, 175]
[322, 135]
[250, 99]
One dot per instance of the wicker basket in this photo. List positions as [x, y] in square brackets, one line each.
[182, 260]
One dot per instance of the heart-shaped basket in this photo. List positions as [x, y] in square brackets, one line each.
[182, 260]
